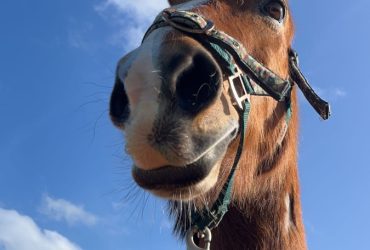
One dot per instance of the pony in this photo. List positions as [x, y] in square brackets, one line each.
[197, 132]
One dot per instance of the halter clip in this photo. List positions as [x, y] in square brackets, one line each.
[205, 235]
[237, 83]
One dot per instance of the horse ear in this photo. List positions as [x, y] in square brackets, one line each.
[174, 2]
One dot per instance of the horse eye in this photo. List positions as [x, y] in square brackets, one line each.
[275, 9]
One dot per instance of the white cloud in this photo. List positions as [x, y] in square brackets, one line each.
[340, 93]
[59, 209]
[76, 40]
[19, 232]
[143, 9]
[133, 17]
[329, 94]
[118, 206]
[79, 35]
[166, 225]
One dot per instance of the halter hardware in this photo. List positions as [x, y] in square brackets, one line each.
[247, 77]
[238, 80]
[205, 236]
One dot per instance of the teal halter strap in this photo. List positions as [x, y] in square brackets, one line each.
[211, 218]
[231, 53]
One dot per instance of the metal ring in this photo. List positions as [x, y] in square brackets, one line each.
[206, 237]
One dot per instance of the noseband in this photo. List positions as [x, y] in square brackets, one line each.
[246, 76]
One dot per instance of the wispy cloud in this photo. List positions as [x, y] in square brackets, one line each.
[132, 16]
[20, 232]
[62, 210]
[144, 9]
[340, 92]
[166, 225]
[118, 206]
[79, 35]
[76, 40]
[331, 93]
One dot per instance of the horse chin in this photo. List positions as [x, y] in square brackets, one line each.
[190, 192]
[178, 183]
[186, 182]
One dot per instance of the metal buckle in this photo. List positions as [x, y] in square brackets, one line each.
[205, 235]
[237, 78]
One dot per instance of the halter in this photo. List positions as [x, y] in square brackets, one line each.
[247, 77]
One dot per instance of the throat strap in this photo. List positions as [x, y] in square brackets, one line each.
[211, 218]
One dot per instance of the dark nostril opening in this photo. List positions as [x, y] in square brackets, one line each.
[198, 84]
[119, 106]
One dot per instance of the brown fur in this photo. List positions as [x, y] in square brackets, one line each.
[256, 217]
[266, 183]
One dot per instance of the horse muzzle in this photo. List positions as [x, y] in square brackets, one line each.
[177, 118]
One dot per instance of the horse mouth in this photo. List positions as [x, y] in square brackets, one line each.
[169, 177]
[183, 181]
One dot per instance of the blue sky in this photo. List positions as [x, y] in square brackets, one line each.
[63, 174]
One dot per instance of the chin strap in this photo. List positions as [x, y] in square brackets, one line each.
[203, 222]
[210, 218]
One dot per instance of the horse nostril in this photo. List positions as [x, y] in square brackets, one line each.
[119, 106]
[198, 84]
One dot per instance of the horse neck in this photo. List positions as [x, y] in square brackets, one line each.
[266, 209]
[270, 221]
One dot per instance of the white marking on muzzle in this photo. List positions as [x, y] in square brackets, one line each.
[142, 84]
